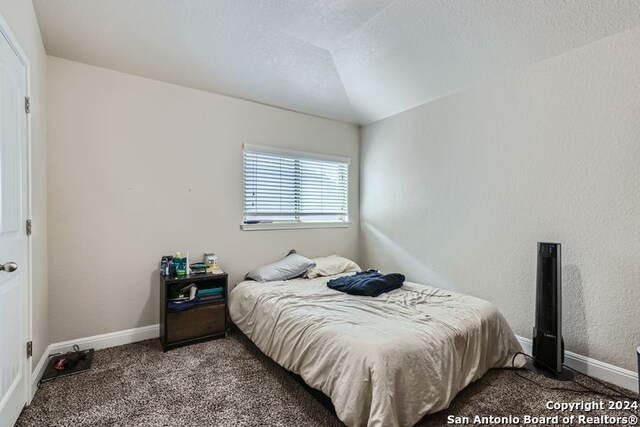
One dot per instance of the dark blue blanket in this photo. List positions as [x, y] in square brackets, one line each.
[370, 283]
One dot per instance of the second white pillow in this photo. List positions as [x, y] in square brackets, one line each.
[331, 265]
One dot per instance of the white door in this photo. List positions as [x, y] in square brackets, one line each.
[13, 238]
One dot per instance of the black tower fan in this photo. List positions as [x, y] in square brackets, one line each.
[548, 345]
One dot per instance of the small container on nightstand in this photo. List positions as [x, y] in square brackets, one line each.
[201, 319]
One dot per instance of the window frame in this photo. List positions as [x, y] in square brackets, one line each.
[286, 225]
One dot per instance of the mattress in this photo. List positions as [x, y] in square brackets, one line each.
[383, 361]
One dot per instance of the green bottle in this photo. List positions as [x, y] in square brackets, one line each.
[181, 264]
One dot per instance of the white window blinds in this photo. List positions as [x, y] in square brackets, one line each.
[286, 186]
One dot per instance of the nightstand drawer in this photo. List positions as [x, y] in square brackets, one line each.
[196, 322]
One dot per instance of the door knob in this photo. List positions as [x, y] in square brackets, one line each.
[9, 267]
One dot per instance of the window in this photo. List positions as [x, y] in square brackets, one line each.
[285, 188]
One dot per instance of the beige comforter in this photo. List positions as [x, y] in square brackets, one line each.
[384, 361]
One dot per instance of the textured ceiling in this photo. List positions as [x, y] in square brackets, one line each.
[352, 60]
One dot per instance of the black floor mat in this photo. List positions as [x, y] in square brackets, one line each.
[83, 365]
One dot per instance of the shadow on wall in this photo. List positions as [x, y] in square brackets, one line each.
[574, 317]
[151, 308]
[391, 256]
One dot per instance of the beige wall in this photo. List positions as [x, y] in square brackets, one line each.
[22, 20]
[140, 168]
[457, 192]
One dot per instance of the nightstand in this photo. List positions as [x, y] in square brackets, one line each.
[199, 322]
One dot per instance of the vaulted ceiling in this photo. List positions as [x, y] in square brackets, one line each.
[352, 60]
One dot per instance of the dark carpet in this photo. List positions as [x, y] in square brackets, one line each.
[229, 382]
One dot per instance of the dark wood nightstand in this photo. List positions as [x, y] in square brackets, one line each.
[202, 321]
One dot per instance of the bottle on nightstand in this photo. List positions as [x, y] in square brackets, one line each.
[211, 260]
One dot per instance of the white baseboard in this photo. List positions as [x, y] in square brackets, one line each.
[96, 342]
[112, 339]
[594, 368]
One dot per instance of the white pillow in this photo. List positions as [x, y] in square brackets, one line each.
[331, 265]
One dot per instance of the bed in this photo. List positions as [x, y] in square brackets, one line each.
[384, 361]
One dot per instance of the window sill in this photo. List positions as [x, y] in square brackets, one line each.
[293, 225]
